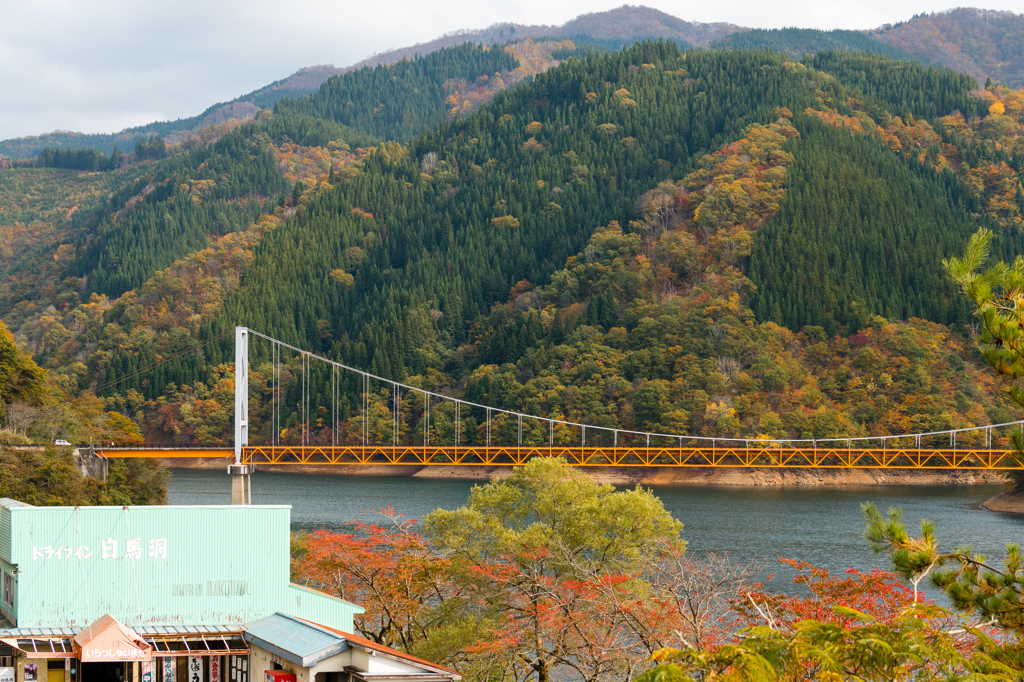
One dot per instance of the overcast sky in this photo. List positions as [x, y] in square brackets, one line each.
[104, 65]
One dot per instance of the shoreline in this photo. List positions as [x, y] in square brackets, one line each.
[1009, 502]
[739, 477]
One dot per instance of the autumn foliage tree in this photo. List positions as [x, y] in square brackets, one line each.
[541, 575]
[389, 569]
[872, 626]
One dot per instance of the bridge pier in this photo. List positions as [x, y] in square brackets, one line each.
[241, 485]
[89, 464]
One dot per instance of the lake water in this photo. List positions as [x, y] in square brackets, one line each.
[819, 525]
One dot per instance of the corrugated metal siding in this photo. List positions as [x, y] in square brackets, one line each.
[321, 608]
[5, 534]
[5, 526]
[205, 547]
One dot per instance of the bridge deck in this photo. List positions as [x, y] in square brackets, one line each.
[752, 457]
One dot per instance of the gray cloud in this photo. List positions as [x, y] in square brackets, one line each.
[104, 65]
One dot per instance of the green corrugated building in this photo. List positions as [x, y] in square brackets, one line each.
[168, 594]
[153, 566]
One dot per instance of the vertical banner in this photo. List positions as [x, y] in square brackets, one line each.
[6, 674]
[147, 671]
[195, 669]
[214, 669]
[170, 665]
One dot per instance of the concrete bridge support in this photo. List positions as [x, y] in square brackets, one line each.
[241, 483]
[88, 464]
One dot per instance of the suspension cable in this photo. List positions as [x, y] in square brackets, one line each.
[367, 376]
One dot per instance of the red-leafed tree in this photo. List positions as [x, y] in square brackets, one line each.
[879, 594]
[389, 569]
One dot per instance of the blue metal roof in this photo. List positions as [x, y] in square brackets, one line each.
[40, 632]
[297, 641]
[147, 630]
[185, 630]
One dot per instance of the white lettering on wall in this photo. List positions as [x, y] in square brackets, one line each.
[158, 548]
[108, 550]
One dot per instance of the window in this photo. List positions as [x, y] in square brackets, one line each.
[9, 589]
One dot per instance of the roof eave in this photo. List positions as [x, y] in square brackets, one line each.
[305, 661]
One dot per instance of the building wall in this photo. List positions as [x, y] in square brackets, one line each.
[320, 608]
[157, 565]
[19, 668]
[262, 660]
[8, 611]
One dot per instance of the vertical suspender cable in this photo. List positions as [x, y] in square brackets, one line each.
[280, 396]
[302, 397]
[276, 417]
[309, 387]
[273, 392]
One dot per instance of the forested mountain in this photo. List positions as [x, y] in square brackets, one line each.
[612, 29]
[709, 242]
[797, 42]
[242, 108]
[415, 91]
[984, 43]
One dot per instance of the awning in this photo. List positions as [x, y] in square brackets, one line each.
[108, 640]
[166, 640]
[42, 647]
[194, 641]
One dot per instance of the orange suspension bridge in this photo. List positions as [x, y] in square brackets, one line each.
[510, 438]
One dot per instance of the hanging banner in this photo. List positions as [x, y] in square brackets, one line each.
[195, 669]
[170, 668]
[214, 669]
[6, 674]
[147, 671]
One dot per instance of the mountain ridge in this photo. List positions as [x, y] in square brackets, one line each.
[982, 51]
[984, 43]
